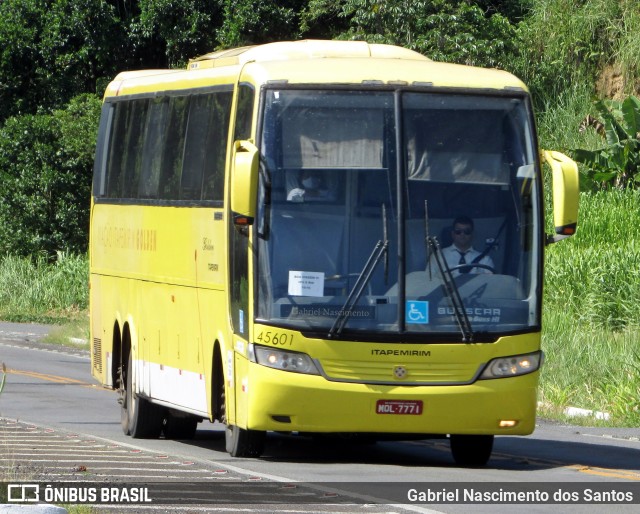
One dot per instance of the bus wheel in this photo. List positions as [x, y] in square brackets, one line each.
[240, 442]
[471, 450]
[139, 417]
[176, 427]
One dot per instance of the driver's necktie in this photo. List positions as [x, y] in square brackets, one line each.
[463, 261]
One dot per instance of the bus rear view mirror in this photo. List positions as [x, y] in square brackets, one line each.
[565, 185]
[244, 182]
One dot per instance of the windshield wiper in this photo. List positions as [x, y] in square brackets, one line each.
[379, 250]
[452, 291]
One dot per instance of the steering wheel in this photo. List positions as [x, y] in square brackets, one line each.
[473, 265]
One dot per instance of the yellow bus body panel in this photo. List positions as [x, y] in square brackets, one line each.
[161, 271]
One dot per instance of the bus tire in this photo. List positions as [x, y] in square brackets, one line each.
[471, 450]
[176, 427]
[240, 442]
[140, 418]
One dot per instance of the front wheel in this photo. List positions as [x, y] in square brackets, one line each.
[240, 442]
[471, 450]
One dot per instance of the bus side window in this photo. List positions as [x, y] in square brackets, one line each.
[195, 147]
[167, 148]
[171, 165]
[214, 160]
[205, 147]
[244, 113]
[105, 134]
[154, 142]
[123, 165]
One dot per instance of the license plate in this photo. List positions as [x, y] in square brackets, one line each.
[399, 407]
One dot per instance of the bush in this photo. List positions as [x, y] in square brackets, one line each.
[618, 163]
[46, 163]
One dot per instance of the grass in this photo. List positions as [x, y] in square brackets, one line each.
[559, 119]
[591, 316]
[591, 368]
[74, 332]
[36, 290]
[595, 276]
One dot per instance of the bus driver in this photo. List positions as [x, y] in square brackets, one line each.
[461, 252]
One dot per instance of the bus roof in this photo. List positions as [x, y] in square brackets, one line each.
[306, 49]
[314, 62]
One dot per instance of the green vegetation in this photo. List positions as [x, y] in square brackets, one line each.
[58, 55]
[617, 163]
[592, 313]
[35, 289]
[71, 332]
[590, 368]
[46, 163]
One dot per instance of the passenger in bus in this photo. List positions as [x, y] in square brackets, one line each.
[461, 251]
[309, 186]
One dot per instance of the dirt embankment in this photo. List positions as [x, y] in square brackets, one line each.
[613, 83]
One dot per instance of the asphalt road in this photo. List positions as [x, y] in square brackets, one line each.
[56, 423]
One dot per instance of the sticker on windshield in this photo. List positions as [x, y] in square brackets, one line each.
[306, 283]
[417, 312]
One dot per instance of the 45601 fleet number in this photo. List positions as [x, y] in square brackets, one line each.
[275, 338]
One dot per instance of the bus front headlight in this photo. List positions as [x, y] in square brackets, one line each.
[284, 360]
[512, 366]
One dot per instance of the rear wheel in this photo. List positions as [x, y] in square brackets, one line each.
[241, 442]
[471, 450]
[139, 417]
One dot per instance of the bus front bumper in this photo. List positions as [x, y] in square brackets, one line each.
[292, 402]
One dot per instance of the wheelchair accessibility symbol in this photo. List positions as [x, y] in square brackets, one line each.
[417, 312]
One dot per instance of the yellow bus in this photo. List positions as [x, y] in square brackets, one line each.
[271, 232]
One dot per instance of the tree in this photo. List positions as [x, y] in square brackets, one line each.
[461, 32]
[80, 44]
[20, 59]
[182, 28]
[45, 179]
[323, 19]
[445, 30]
[247, 22]
[52, 50]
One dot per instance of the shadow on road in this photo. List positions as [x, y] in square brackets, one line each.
[510, 453]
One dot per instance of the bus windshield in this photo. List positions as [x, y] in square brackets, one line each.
[398, 215]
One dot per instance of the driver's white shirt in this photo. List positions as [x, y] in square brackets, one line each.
[452, 256]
